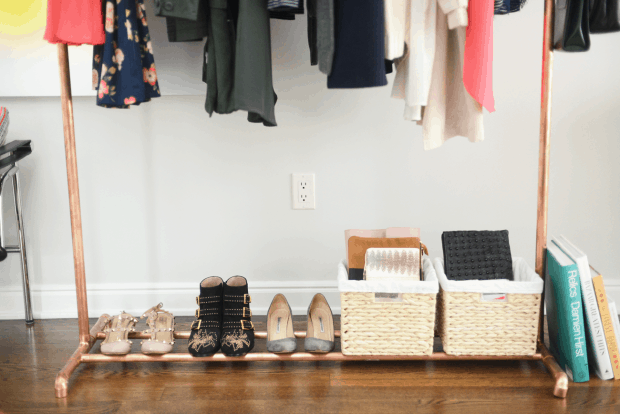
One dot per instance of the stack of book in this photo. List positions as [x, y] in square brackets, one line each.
[583, 324]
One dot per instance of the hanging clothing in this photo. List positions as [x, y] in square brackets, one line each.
[186, 20]
[74, 22]
[359, 56]
[182, 30]
[478, 64]
[182, 9]
[219, 63]
[253, 79]
[283, 4]
[285, 9]
[395, 27]
[451, 111]
[321, 34]
[415, 69]
[123, 68]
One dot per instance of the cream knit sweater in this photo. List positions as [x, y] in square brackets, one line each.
[414, 69]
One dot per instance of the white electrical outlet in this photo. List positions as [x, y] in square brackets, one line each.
[303, 192]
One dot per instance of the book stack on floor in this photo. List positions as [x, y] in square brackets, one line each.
[583, 325]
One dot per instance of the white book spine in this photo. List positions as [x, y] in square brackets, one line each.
[602, 361]
[595, 324]
[614, 317]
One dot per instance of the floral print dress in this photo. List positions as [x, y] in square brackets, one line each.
[123, 67]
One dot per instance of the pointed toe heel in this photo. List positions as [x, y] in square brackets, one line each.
[320, 333]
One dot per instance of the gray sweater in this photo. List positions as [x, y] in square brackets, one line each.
[321, 33]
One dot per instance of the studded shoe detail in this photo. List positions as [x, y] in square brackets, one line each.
[206, 330]
[116, 331]
[161, 324]
[237, 327]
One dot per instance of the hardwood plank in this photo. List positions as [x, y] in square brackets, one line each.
[30, 358]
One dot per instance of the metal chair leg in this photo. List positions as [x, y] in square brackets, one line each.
[22, 249]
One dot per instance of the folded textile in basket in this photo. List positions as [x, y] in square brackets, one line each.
[478, 255]
[359, 245]
[430, 283]
[392, 264]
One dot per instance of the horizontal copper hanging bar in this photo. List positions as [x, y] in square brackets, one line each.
[299, 356]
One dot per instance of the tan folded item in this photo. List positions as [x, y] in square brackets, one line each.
[390, 232]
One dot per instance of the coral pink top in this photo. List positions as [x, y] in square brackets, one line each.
[74, 22]
[478, 63]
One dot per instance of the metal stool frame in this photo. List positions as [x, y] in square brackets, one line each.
[12, 173]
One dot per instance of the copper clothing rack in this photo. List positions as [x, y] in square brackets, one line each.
[88, 338]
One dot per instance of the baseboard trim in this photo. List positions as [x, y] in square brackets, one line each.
[59, 301]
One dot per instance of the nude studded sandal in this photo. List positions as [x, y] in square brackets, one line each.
[161, 328]
[116, 331]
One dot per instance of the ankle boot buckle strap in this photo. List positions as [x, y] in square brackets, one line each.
[205, 312]
[200, 324]
[243, 312]
[203, 300]
[241, 324]
[245, 298]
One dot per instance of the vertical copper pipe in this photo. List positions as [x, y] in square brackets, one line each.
[74, 191]
[561, 379]
[543, 161]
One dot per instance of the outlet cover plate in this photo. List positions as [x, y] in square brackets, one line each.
[303, 191]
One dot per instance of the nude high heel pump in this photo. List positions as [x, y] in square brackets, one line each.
[280, 335]
[320, 333]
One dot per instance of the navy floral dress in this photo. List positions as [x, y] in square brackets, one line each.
[123, 67]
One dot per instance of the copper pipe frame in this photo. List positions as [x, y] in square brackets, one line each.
[87, 341]
[561, 379]
[185, 335]
[62, 379]
[298, 356]
[66, 100]
[544, 151]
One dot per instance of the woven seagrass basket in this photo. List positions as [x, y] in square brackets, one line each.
[492, 321]
[387, 322]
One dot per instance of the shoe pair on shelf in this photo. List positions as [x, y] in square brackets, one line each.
[161, 328]
[223, 318]
[319, 335]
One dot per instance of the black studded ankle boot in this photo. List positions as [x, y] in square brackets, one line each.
[206, 330]
[237, 327]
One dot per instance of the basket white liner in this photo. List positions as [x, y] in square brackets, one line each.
[429, 285]
[526, 281]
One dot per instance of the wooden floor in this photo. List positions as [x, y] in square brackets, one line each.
[31, 357]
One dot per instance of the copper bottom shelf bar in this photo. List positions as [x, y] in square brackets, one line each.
[298, 356]
[185, 335]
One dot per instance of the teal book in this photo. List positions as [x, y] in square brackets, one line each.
[567, 336]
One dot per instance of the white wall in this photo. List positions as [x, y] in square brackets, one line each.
[170, 196]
